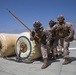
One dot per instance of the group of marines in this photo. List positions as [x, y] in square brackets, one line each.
[60, 35]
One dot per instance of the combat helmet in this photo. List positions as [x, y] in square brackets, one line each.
[60, 17]
[37, 24]
[51, 23]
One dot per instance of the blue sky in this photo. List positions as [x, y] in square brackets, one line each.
[30, 10]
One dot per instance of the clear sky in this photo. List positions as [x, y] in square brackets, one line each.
[30, 10]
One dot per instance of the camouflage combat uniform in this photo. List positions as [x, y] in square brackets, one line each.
[65, 30]
[53, 39]
[41, 41]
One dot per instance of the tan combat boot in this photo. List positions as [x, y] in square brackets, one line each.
[45, 64]
[66, 61]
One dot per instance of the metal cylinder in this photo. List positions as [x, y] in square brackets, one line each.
[31, 50]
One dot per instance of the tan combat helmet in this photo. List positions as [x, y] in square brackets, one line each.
[60, 17]
[52, 23]
[37, 23]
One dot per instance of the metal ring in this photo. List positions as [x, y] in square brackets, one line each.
[30, 46]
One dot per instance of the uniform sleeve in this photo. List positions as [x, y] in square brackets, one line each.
[71, 30]
[54, 27]
[50, 32]
[49, 35]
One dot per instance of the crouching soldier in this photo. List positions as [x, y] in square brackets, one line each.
[40, 37]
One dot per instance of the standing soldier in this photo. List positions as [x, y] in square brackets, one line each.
[53, 39]
[65, 30]
[40, 37]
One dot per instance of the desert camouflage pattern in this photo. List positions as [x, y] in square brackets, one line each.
[65, 31]
[41, 42]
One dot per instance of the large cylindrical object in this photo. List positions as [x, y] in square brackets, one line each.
[7, 44]
[31, 51]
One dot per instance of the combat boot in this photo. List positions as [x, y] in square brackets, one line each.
[45, 64]
[66, 61]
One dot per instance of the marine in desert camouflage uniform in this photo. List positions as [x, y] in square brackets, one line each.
[40, 37]
[53, 39]
[64, 30]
